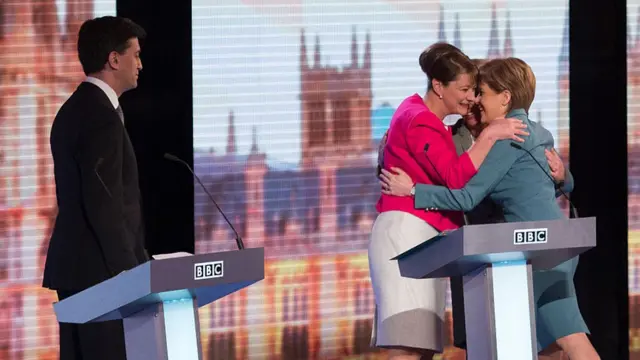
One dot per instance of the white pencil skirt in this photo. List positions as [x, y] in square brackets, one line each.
[409, 312]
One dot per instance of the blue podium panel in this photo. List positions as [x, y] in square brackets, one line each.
[499, 316]
[461, 251]
[158, 301]
[496, 262]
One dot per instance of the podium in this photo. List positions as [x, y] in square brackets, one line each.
[496, 262]
[158, 301]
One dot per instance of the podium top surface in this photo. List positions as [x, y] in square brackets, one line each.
[206, 277]
[545, 244]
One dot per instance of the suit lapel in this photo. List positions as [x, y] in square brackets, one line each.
[461, 137]
[130, 164]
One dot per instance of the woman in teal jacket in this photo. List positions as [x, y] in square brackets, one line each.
[511, 178]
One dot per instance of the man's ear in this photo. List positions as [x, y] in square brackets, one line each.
[113, 60]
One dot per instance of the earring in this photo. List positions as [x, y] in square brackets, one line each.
[440, 96]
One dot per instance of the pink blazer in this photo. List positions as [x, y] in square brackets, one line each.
[413, 127]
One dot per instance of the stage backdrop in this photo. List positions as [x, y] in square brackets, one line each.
[633, 141]
[291, 98]
[39, 69]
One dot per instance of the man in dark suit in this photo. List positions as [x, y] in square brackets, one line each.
[98, 231]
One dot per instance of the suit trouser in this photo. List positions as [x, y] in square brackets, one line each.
[94, 341]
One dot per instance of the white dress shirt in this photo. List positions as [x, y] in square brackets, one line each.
[111, 94]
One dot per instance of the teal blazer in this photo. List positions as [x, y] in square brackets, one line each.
[510, 177]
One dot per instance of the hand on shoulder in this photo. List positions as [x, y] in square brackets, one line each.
[506, 129]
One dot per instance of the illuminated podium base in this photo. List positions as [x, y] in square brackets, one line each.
[496, 262]
[158, 301]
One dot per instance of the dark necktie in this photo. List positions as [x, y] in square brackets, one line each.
[120, 113]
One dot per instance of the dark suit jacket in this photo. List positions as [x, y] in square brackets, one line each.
[98, 231]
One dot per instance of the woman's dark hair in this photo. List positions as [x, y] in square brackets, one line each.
[445, 62]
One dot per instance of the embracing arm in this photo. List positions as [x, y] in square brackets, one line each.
[480, 149]
[427, 137]
[426, 132]
[559, 171]
[100, 162]
[498, 162]
[567, 185]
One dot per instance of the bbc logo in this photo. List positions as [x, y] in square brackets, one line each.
[530, 236]
[208, 270]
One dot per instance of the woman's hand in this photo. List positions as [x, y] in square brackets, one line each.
[397, 183]
[555, 165]
[503, 129]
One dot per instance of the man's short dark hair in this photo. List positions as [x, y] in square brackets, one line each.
[98, 37]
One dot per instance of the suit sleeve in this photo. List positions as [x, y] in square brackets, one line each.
[443, 165]
[383, 142]
[100, 162]
[498, 162]
[567, 187]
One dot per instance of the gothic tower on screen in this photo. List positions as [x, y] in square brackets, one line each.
[335, 106]
[494, 39]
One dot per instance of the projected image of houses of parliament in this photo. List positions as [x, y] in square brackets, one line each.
[291, 98]
[289, 109]
[39, 69]
[633, 148]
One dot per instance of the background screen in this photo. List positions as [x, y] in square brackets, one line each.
[39, 69]
[633, 143]
[291, 98]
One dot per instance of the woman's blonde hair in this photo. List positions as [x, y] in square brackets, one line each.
[510, 74]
